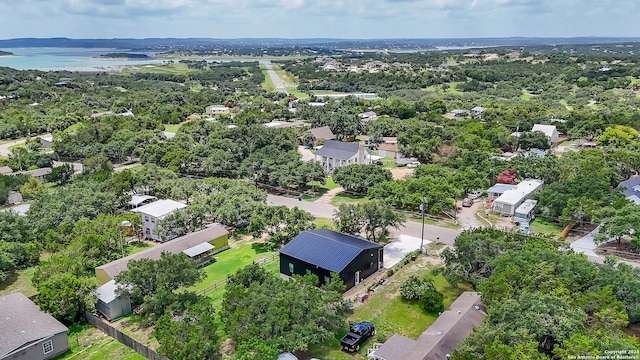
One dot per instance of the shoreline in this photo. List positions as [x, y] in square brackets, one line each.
[121, 58]
[9, 56]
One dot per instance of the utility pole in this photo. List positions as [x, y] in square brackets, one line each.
[422, 233]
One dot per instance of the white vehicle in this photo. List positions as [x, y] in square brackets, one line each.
[413, 165]
[474, 195]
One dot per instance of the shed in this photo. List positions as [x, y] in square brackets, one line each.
[139, 200]
[507, 203]
[14, 197]
[322, 251]
[389, 150]
[46, 141]
[109, 304]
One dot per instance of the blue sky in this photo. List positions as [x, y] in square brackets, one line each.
[318, 18]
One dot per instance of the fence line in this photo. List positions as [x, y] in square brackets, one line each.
[123, 338]
[220, 283]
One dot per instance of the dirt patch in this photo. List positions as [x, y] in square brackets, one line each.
[625, 249]
[228, 347]
[401, 173]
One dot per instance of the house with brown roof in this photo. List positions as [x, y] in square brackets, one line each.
[323, 132]
[442, 337]
[27, 332]
[215, 235]
[391, 151]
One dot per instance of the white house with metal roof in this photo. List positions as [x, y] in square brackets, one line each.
[335, 154]
[155, 211]
[507, 203]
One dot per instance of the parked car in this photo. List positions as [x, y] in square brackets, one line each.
[413, 165]
[466, 202]
[357, 334]
[405, 161]
[474, 195]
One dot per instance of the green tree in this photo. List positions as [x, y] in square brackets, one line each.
[65, 296]
[97, 164]
[618, 135]
[617, 223]
[61, 174]
[33, 188]
[373, 217]
[286, 315]
[190, 334]
[534, 140]
[359, 178]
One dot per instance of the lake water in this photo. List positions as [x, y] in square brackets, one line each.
[70, 59]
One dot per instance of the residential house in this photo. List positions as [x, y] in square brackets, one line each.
[442, 337]
[27, 332]
[77, 167]
[213, 110]
[109, 304]
[96, 114]
[389, 151]
[5, 170]
[39, 173]
[507, 203]
[168, 135]
[459, 114]
[153, 212]
[283, 124]
[334, 154]
[321, 133]
[46, 141]
[477, 111]
[631, 189]
[216, 235]
[321, 252]
[140, 200]
[549, 130]
[498, 189]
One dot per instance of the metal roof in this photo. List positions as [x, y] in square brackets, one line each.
[38, 172]
[173, 246]
[326, 248]
[548, 130]
[500, 188]
[198, 249]
[521, 191]
[526, 206]
[138, 199]
[338, 149]
[628, 187]
[107, 292]
[160, 208]
[22, 322]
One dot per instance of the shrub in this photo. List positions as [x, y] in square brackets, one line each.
[414, 287]
[389, 272]
[432, 300]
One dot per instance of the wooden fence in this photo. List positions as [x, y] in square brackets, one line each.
[221, 283]
[123, 338]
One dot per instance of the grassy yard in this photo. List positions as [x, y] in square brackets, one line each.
[19, 281]
[87, 342]
[390, 313]
[542, 226]
[345, 198]
[230, 261]
[174, 127]
[136, 247]
[324, 223]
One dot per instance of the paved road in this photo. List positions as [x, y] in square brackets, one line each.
[279, 84]
[4, 148]
[411, 228]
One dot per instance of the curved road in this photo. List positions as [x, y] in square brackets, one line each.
[4, 148]
[411, 228]
[279, 84]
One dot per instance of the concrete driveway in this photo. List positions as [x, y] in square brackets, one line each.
[307, 155]
[396, 250]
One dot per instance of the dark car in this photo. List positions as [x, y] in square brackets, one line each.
[467, 202]
[357, 334]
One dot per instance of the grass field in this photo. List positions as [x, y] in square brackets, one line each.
[350, 199]
[19, 281]
[169, 69]
[230, 261]
[267, 85]
[542, 226]
[390, 313]
[174, 127]
[87, 342]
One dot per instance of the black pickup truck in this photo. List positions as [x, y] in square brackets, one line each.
[357, 334]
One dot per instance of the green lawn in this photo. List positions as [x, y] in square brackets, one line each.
[324, 223]
[391, 314]
[542, 226]
[345, 198]
[136, 247]
[174, 127]
[19, 281]
[268, 83]
[87, 342]
[230, 261]
[171, 69]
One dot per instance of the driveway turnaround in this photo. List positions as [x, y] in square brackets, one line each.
[396, 250]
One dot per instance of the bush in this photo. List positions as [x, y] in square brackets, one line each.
[432, 300]
[414, 287]
[389, 272]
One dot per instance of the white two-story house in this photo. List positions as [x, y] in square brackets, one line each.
[334, 154]
[154, 212]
